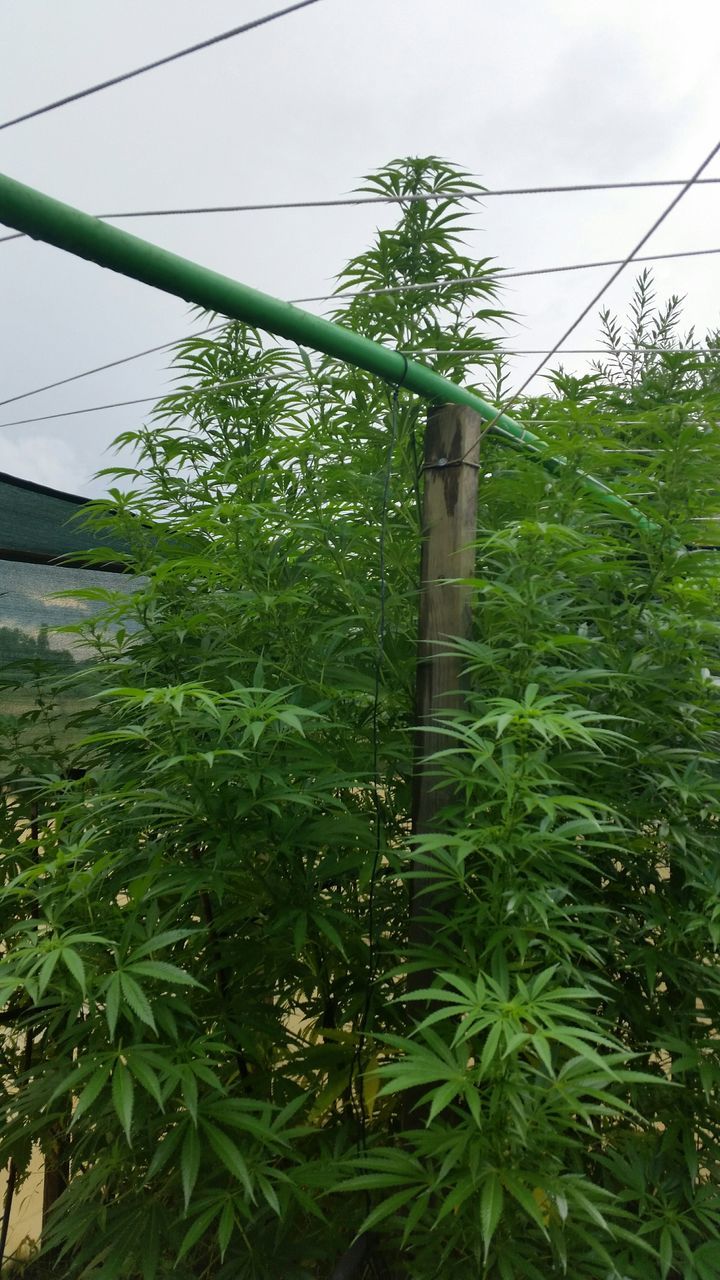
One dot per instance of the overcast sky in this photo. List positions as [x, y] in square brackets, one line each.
[528, 93]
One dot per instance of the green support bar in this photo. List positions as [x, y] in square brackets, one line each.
[43, 218]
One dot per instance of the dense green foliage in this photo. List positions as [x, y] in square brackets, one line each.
[201, 942]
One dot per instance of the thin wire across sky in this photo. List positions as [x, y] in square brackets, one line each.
[353, 201]
[462, 282]
[158, 62]
[632, 256]
[366, 199]
[478, 357]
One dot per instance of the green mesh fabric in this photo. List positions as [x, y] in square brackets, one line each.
[38, 527]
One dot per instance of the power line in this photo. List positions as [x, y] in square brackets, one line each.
[367, 293]
[632, 256]
[159, 62]
[344, 201]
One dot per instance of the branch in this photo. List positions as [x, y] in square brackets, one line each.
[352, 1263]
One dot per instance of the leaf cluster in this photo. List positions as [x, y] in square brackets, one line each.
[214, 1006]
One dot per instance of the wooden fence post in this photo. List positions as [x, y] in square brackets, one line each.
[451, 466]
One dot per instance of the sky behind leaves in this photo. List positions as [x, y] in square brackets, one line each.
[534, 93]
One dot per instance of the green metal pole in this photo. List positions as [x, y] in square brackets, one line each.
[44, 218]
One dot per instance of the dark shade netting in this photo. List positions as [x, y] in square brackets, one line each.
[38, 528]
[41, 525]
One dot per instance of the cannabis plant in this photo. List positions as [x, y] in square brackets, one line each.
[219, 1038]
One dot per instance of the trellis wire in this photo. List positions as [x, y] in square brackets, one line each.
[332, 297]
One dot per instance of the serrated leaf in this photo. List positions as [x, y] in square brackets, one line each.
[146, 1075]
[190, 1092]
[91, 1091]
[542, 1048]
[490, 1048]
[526, 1201]
[112, 1003]
[226, 1150]
[491, 1205]
[329, 930]
[137, 1000]
[269, 1194]
[225, 1229]
[163, 971]
[388, 1206]
[165, 939]
[189, 1162]
[370, 1086]
[197, 1230]
[442, 1097]
[164, 1151]
[462, 1190]
[123, 1095]
[74, 965]
[666, 1252]
[413, 1214]
[151, 1251]
[47, 969]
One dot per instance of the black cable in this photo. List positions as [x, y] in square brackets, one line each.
[379, 659]
[158, 62]
[428, 198]
[401, 383]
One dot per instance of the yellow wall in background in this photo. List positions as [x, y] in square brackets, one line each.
[26, 1219]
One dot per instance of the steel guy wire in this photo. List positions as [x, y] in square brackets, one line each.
[487, 355]
[111, 364]
[430, 197]
[501, 274]
[492, 352]
[333, 297]
[158, 62]
[122, 404]
[72, 413]
[219, 386]
[162, 395]
[632, 256]
[476, 356]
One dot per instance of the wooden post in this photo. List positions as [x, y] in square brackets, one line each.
[451, 465]
[56, 1173]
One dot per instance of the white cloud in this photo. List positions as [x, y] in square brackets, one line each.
[536, 92]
